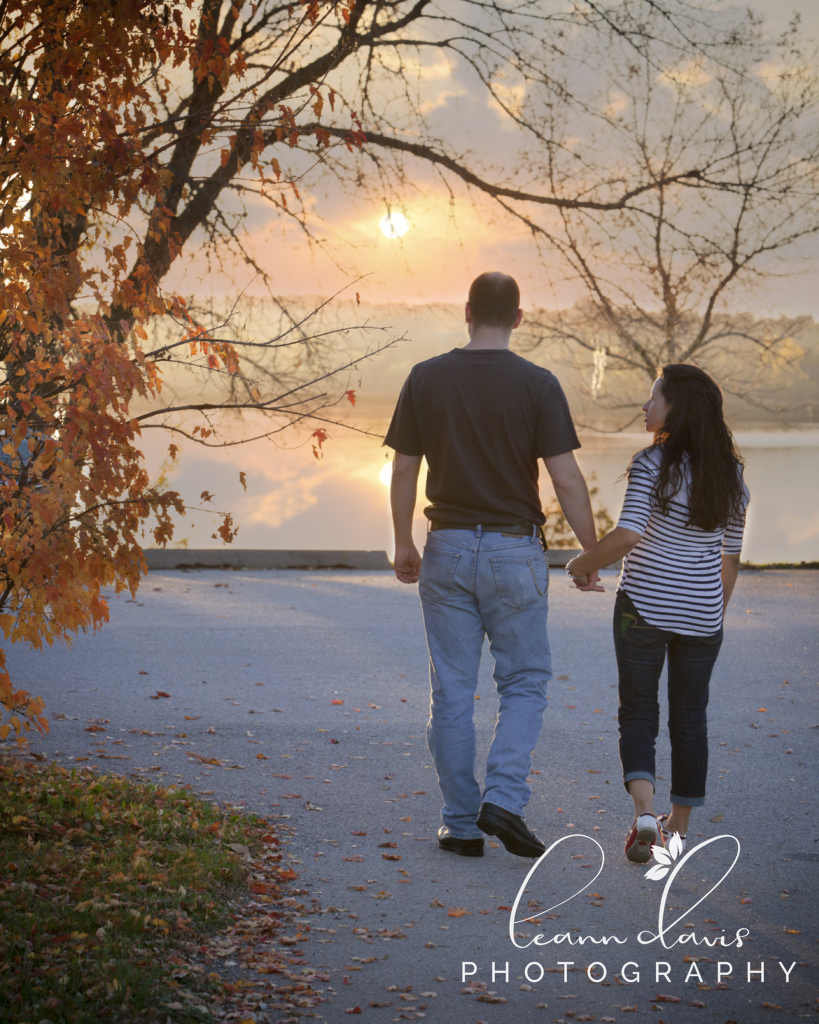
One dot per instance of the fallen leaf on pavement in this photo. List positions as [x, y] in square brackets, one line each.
[457, 912]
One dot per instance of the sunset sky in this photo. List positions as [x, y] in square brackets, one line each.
[446, 244]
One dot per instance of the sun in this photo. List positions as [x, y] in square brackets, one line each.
[386, 474]
[394, 225]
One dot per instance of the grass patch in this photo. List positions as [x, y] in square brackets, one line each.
[103, 883]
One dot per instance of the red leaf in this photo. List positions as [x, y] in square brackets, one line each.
[350, 395]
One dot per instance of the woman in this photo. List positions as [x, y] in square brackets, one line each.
[680, 537]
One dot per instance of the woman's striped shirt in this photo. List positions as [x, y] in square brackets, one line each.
[673, 575]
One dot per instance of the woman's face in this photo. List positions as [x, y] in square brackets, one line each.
[656, 408]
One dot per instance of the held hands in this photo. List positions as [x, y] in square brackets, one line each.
[407, 564]
[586, 582]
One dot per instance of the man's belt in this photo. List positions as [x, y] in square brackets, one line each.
[518, 530]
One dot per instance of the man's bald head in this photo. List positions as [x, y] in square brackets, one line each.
[494, 300]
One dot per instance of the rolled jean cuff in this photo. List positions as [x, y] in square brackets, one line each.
[631, 776]
[687, 801]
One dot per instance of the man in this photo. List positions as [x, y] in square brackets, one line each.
[483, 416]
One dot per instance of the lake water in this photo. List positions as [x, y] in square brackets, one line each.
[295, 501]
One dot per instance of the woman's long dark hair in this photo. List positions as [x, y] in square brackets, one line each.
[696, 435]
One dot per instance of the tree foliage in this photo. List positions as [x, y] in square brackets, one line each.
[73, 491]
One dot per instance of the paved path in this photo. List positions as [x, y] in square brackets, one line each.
[257, 665]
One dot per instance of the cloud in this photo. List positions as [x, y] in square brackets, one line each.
[617, 103]
[441, 100]
[510, 99]
[688, 75]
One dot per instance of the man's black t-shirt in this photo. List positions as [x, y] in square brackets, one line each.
[482, 418]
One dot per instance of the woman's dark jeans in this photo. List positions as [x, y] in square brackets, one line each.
[641, 651]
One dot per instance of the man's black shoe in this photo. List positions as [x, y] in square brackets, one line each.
[511, 829]
[464, 847]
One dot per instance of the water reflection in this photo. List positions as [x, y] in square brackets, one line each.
[294, 501]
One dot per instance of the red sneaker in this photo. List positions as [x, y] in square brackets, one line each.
[644, 834]
[665, 835]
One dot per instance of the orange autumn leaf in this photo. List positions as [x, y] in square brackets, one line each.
[457, 912]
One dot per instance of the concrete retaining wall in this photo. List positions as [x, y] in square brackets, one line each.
[239, 558]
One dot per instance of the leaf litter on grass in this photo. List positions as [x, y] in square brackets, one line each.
[120, 899]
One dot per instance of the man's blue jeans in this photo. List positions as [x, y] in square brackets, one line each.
[476, 584]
